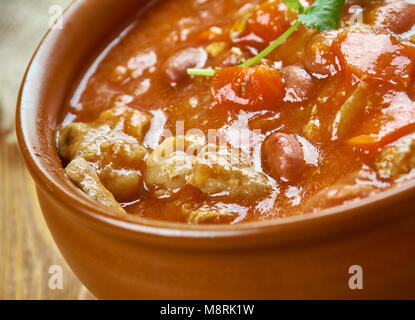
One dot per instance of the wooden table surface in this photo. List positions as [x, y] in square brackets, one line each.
[27, 249]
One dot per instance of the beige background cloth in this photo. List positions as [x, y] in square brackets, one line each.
[22, 25]
[27, 250]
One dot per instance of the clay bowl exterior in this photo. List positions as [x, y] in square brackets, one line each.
[301, 257]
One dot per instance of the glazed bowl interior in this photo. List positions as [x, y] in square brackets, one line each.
[89, 26]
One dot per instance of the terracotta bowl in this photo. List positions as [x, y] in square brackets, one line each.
[301, 257]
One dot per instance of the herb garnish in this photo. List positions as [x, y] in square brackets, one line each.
[322, 15]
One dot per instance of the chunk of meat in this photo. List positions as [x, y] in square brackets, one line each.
[397, 159]
[119, 127]
[247, 88]
[299, 85]
[385, 60]
[320, 57]
[396, 16]
[123, 154]
[70, 141]
[86, 178]
[171, 162]
[130, 121]
[208, 215]
[176, 66]
[112, 143]
[219, 171]
[283, 156]
[124, 184]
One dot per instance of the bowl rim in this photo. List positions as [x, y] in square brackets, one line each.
[87, 210]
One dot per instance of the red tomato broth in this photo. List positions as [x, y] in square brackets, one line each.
[132, 73]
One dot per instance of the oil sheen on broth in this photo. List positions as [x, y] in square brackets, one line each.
[325, 119]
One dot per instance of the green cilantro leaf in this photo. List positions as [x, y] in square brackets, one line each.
[323, 15]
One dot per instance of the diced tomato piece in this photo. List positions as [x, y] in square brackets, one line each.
[267, 23]
[390, 123]
[378, 57]
[247, 88]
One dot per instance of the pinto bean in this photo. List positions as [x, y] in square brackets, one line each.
[283, 156]
[176, 66]
[397, 16]
[298, 83]
[319, 56]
